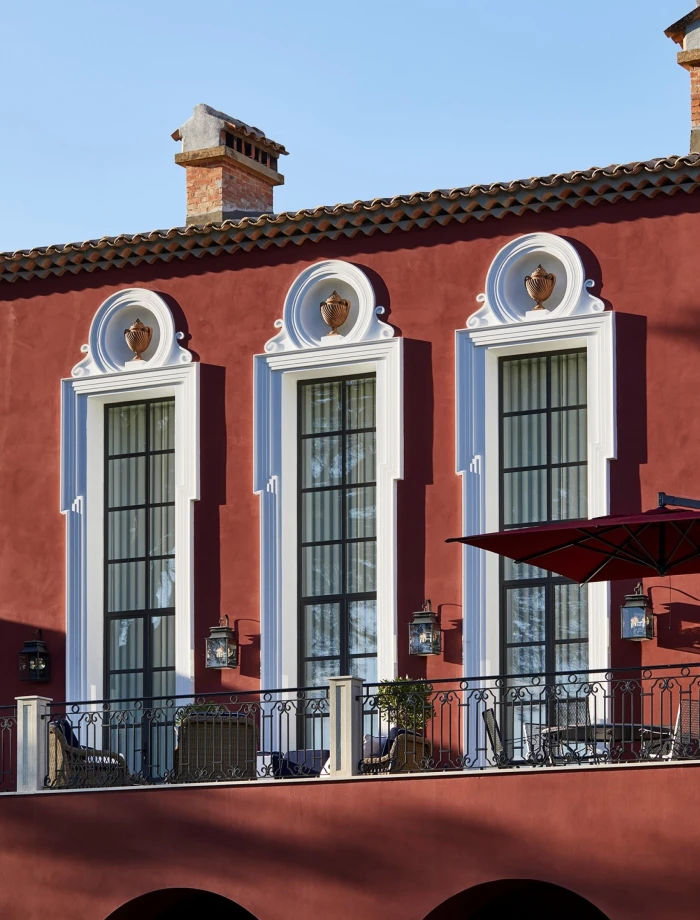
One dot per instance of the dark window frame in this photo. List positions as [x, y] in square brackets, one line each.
[145, 614]
[344, 598]
[549, 581]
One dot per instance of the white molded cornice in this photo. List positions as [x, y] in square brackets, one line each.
[107, 351]
[302, 326]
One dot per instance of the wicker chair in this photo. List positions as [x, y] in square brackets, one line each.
[493, 733]
[215, 747]
[75, 767]
[408, 753]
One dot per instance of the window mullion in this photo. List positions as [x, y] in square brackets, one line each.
[344, 619]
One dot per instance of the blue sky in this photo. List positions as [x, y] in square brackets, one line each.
[371, 97]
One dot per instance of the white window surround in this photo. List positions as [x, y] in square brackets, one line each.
[477, 463]
[478, 349]
[168, 374]
[275, 481]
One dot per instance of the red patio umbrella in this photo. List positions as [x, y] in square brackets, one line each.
[657, 542]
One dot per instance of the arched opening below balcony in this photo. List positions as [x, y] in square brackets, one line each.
[524, 899]
[180, 904]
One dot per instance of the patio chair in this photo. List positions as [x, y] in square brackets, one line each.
[403, 752]
[493, 733]
[72, 766]
[535, 751]
[546, 741]
[215, 747]
[684, 740]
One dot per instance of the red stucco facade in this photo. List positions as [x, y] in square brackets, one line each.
[622, 838]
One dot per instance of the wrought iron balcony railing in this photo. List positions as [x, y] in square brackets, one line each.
[348, 729]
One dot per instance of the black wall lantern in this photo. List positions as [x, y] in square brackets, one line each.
[637, 619]
[222, 646]
[34, 659]
[424, 636]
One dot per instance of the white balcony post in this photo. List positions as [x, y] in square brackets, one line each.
[32, 739]
[346, 726]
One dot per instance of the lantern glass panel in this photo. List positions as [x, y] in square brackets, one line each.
[424, 638]
[221, 652]
[637, 621]
[34, 662]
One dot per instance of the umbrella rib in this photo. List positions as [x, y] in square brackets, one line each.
[616, 555]
[644, 551]
[683, 535]
[555, 549]
[622, 552]
[581, 544]
[683, 559]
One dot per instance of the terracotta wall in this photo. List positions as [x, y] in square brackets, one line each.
[643, 258]
[624, 839]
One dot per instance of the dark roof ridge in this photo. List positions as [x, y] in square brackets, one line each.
[416, 210]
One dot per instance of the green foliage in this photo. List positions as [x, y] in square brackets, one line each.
[406, 703]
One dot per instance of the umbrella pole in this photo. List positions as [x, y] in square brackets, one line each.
[665, 499]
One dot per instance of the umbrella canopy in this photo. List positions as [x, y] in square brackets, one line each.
[657, 542]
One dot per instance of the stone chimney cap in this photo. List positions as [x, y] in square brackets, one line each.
[677, 31]
[204, 129]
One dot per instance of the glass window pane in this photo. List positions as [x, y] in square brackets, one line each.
[126, 586]
[569, 436]
[163, 686]
[360, 403]
[512, 571]
[321, 407]
[362, 567]
[525, 660]
[321, 516]
[525, 614]
[569, 380]
[571, 656]
[126, 534]
[570, 611]
[126, 429]
[361, 512]
[322, 461]
[126, 687]
[163, 641]
[524, 440]
[365, 669]
[162, 583]
[162, 531]
[163, 425]
[126, 644]
[362, 616]
[127, 482]
[321, 570]
[524, 497]
[316, 673]
[524, 384]
[360, 457]
[162, 478]
[569, 492]
[321, 630]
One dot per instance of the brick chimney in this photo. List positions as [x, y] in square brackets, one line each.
[231, 167]
[686, 33]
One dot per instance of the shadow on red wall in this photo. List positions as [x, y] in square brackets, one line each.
[522, 898]
[180, 904]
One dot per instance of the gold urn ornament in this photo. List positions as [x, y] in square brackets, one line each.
[138, 338]
[335, 311]
[540, 285]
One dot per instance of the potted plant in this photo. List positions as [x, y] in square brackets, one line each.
[406, 703]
